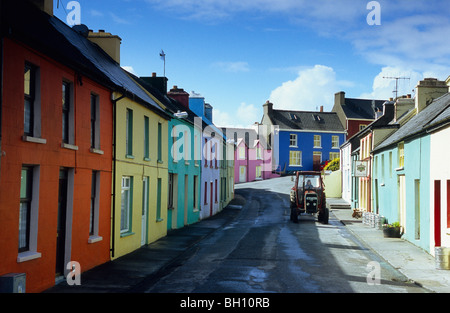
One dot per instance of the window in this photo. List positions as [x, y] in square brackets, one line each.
[293, 140]
[206, 193]
[159, 142]
[362, 126]
[95, 122]
[186, 147]
[28, 214]
[258, 153]
[317, 141]
[158, 201]
[26, 186]
[216, 154]
[401, 155]
[30, 97]
[95, 206]
[215, 191]
[129, 133]
[390, 164]
[146, 139]
[205, 154]
[334, 155]
[126, 204]
[335, 142]
[68, 136]
[174, 148]
[295, 158]
[242, 153]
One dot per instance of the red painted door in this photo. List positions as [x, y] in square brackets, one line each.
[437, 213]
[211, 201]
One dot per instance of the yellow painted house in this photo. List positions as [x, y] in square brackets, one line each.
[140, 156]
[140, 176]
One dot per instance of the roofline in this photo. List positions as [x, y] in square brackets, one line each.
[312, 131]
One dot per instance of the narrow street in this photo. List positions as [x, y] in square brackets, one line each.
[262, 251]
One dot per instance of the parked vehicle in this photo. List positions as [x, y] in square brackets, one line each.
[308, 196]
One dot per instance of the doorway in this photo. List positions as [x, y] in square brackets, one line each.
[242, 174]
[61, 223]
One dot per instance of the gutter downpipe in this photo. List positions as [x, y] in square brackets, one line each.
[113, 227]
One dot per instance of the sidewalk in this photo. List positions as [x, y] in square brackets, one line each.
[130, 273]
[412, 261]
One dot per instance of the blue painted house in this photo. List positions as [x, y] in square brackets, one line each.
[401, 171]
[302, 140]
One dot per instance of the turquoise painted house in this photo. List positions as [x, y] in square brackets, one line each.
[184, 142]
[184, 163]
[401, 165]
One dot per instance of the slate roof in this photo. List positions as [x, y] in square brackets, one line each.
[245, 134]
[52, 37]
[306, 120]
[361, 108]
[435, 113]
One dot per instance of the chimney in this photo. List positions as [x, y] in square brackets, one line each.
[321, 108]
[428, 90]
[160, 83]
[268, 108]
[402, 105]
[108, 42]
[339, 98]
[179, 95]
[44, 5]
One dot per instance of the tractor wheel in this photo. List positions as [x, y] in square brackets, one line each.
[294, 215]
[325, 216]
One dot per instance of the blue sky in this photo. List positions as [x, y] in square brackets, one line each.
[296, 53]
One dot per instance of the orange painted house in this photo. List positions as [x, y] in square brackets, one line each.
[55, 153]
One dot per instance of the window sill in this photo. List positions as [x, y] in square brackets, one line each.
[126, 234]
[34, 139]
[94, 239]
[96, 151]
[160, 162]
[129, 156]
[147, 159]
[186, 162]
[69, 146]
[399, 169]
[159, 220]
[28, 256]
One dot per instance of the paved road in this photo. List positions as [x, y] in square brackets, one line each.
[262, 251]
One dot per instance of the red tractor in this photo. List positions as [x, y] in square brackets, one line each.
[308, 196]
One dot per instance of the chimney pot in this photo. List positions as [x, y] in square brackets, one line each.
[153, 74]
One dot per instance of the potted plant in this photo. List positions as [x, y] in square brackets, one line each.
[393, 230]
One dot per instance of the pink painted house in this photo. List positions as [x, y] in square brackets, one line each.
[252, 156]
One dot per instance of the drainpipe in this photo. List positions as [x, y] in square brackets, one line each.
[113, 230]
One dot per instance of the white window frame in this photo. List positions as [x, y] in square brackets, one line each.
[32, 253]
[319, 141]
[293, 140]
[126, 208]
[335, 142]
[295, 155]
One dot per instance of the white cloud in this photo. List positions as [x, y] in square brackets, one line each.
[314, 87]
[245, 116]
[232, 67]
[129, 69]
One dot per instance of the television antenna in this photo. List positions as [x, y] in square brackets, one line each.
[396, 83]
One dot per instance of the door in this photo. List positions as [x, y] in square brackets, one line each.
[144, 223]
[242, 174]
[402, 201]
[61, 226]
[437, 213]
[316, 161]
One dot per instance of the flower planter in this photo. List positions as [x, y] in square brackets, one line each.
[392, 232]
